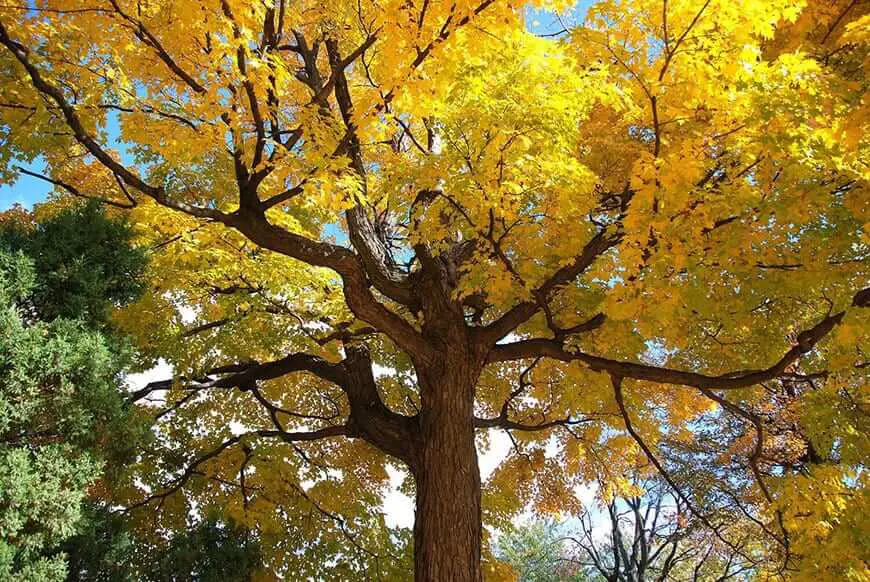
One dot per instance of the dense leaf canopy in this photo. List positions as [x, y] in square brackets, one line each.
[85, 263]
[640, 241]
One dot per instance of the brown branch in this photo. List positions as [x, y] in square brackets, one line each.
[507, 424]
[341, 64]
[670, 53]
[806, 342]
[143, 34]
[593, 322]
[502, 421]
[370, 418]
[205, 327]
[838, 20]
[253, 225]
[364, 235]
[290, 437]
[342, 523]
[76, 192]
[241, 62]
[284, 196]
[754, 458]
[521, 312]
[22, 54]
[247, 374]
[616, 381]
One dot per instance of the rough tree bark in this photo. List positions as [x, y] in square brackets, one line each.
[448, 521]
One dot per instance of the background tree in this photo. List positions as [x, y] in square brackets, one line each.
[384, 228]
[211, 552]
[109, 547]
[86, 263]
[536, 552]
[651, 535]
[645, 533]
[63, 413]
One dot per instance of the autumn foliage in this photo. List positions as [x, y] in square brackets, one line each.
[381, 230]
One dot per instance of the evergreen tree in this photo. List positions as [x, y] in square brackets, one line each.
[63, 413]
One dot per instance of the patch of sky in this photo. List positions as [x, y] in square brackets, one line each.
[544, 22]
[657, 353]
[26, 190]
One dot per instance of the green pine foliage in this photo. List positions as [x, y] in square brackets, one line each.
[85, 263]
[107, 549]
[63, 414]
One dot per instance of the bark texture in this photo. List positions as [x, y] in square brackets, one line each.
[448, 521]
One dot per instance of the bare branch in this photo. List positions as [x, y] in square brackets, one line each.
[620, 402]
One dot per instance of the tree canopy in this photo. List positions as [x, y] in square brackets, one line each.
[382, 229]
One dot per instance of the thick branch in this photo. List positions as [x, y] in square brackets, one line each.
[247, 374]
[252, 224]
[370, 419]
[806, 342]
[364, 235]
[359, 297]
[521, 312]
[507, 424]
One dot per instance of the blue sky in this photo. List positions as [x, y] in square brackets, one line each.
[26, 190]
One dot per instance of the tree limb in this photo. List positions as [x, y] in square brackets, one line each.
[290, 437]
[521, 312]
[806, 342]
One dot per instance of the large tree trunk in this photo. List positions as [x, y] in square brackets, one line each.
[448, 521]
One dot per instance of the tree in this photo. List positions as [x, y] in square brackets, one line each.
[86, 262]
[103, 548]
[536, 552]
[211, 552]
[108, 548]
[384, 228]
[644, 534]
[62, 412]
[652, 536]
